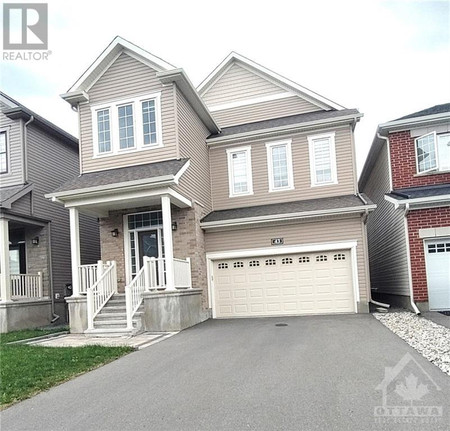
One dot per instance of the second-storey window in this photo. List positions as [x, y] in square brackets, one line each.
[104, 131]
[279, 163]
[127, 125]
[433, 152]
[240, 171]
[322, 158]
[3, 154]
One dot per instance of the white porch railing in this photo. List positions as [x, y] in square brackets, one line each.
[88, 275]
[182, 273]
[101, 291]
[152, 277]
[26, 286]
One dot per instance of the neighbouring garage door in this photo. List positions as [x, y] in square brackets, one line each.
[307, 283]
[438, 273]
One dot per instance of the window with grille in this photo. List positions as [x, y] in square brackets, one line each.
[270, 262]
[321, 258]
[339, 256]
[303, 259]
[253, 263]
[238, 264]
[222, 265]
[286, 260]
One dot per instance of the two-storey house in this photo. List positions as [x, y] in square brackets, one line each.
[407, 174]
[235, 199]
[35, 157]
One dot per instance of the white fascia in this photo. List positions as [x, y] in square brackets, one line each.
[443, 199]
[410, 122]
[285, 217]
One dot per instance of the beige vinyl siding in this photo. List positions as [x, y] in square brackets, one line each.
[14, 176]
[238, 83]
[301, 168]
[264, 111]
[312, 232]
[50, 164]
[386, 234]
[195, 182]
[127, 77]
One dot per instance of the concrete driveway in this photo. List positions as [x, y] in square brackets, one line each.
[317, 373]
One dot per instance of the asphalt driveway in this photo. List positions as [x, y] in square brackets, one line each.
[317, 373]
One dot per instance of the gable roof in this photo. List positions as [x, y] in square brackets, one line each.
[16, 110]
[166, 72]
[109, 55]
[9, 195]
[268, 74]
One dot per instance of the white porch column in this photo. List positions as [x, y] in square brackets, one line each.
[5, 279]
[168, 243]
[75, 250]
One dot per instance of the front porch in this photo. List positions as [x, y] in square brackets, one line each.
[24, 263]
[148, 278]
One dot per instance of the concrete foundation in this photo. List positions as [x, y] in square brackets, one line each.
[173, 311]
[26, 314]
[77, 314]
[362, 307]
[398, 301]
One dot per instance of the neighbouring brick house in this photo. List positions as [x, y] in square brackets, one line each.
[237, 198]
[407, 174]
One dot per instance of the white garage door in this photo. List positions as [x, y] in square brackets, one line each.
[307, 283]
[438, 273]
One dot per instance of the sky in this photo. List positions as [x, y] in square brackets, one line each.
[385, 58]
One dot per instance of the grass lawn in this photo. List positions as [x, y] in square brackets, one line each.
[26, 370]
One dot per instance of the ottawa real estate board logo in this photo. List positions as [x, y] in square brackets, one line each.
[25, 31]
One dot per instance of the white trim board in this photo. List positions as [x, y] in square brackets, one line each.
[253, 101]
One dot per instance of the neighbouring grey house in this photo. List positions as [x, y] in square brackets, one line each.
[237, 198]
[35, 263]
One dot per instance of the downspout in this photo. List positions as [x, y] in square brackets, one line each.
[364, 219]
[25, 148]
[408, 256]
[386, 139]
[52, 294]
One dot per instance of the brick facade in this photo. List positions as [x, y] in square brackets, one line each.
[403, 164]
[422, 219]
[188, 241]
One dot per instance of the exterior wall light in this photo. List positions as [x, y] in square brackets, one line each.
[115, 233]
[35, 240]
[174, 225]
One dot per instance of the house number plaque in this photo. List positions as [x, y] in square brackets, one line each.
[277, 241]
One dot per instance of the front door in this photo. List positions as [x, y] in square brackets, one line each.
[148, 245]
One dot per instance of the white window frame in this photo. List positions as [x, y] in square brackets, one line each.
[435, 151]
[230, 153]
[437, 168]
[7, 152]
[113, 107]
[269, 147]
[312, 163]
